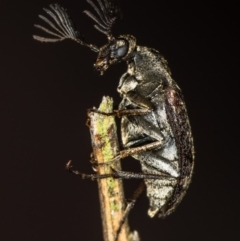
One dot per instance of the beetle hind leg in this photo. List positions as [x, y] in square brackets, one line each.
[130, 204]
[84, 175]
[115, 174]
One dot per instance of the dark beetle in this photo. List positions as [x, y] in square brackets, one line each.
[155, 128]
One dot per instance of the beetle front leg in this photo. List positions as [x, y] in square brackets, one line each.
[120, 113]
[145, 106]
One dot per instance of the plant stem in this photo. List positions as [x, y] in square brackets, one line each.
[105, 148]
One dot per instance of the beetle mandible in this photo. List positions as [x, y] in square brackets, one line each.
[155, 127]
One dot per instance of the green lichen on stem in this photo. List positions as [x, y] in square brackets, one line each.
[105, 148]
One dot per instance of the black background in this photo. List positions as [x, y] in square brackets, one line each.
[45, 90]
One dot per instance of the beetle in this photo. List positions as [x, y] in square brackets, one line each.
[155, 127]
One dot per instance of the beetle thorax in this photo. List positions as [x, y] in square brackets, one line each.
[131, 40]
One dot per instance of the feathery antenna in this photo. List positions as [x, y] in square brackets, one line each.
[108, 12]
[63, 26]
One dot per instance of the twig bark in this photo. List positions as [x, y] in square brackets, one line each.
[105, 147]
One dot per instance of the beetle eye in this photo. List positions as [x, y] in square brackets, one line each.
[121, 51]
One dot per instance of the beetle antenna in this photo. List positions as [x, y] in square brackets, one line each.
[108, 12]
[63, 26]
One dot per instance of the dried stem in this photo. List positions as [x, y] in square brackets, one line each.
[105, 147]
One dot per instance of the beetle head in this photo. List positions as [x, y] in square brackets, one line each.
[116, 51]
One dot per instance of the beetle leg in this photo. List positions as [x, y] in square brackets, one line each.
[130, 204]
[145, 106]
[131, 151]
[139, 100]
[87, 176]
[140, 149]
[140, 175]
[115, 174]
[120, 113]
